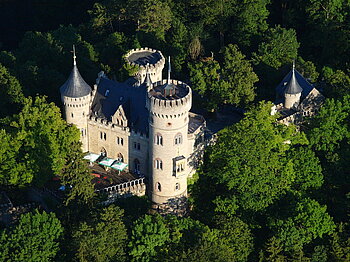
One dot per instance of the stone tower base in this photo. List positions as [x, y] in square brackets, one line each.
[175, 206]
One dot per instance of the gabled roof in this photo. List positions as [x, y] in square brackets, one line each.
[132, 99]
[75, 86]
[298, 82]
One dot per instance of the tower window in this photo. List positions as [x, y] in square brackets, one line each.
[158, 187]
[177, 186]
[137, 146]
[158, 139]
[137, 166]
[72, 115]
[158, 164]
[178, 139]
[121, 141]
[103, 136]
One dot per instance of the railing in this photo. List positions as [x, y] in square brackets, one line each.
[122, 187]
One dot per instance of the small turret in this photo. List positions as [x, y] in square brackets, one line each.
[169, 88]
[146, 59]
[292, 92]
[148, 80]
[76, 97]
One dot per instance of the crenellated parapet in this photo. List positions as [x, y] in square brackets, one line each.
[174, 106]
[147, 59]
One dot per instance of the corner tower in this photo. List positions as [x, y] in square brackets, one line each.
[147, 59]
[169, 102]
[76, 97]
[292, 92]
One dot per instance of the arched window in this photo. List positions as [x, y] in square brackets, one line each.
[178, 139]
[137, 166]
[177, 186]
[158, 164]
[120, 157]
[158, 187]
[72, 115]
[158, 139]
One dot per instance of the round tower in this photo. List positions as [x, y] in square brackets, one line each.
[169, 102]
[76, 97]
[147, 59]
[292, 92]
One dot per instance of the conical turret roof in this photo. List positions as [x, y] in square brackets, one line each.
[75, 86]
[293, 86]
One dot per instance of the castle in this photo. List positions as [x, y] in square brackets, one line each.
[144, 122]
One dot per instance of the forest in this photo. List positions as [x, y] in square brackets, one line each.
[254, 198]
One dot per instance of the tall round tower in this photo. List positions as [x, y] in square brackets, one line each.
[147, 60]
[76, 96]
[169, 102]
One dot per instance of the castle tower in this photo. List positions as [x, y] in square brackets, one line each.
[147, 59]
[76, 96]
[292, 92]
[169, 102]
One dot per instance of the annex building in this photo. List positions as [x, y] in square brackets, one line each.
[144, 122]
[296, 99]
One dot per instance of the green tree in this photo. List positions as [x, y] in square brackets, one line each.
[309, 221]
[279, 47]
[248, 21]
[237, 236]
[337, 82]
[11, 95]
[211, 247]
[307, 168]
[13, 171]
[35, 238]
[103, 238]
[148, 235]
[151, 16]
[330, 127]
[307, 69]
[75, 175]
[177, 37]
[204, 78]
[229, 83]
[324, 11]
[237, 77]
[249, 163]
[42, 140]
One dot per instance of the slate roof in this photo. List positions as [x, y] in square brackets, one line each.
[132, 98]
[291, 83]
[293, 86]
[75, 86]
[144, 58]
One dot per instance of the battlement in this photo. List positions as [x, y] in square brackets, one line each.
[104, 123]
[76, 102]
[169, 106]
[143, 57]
